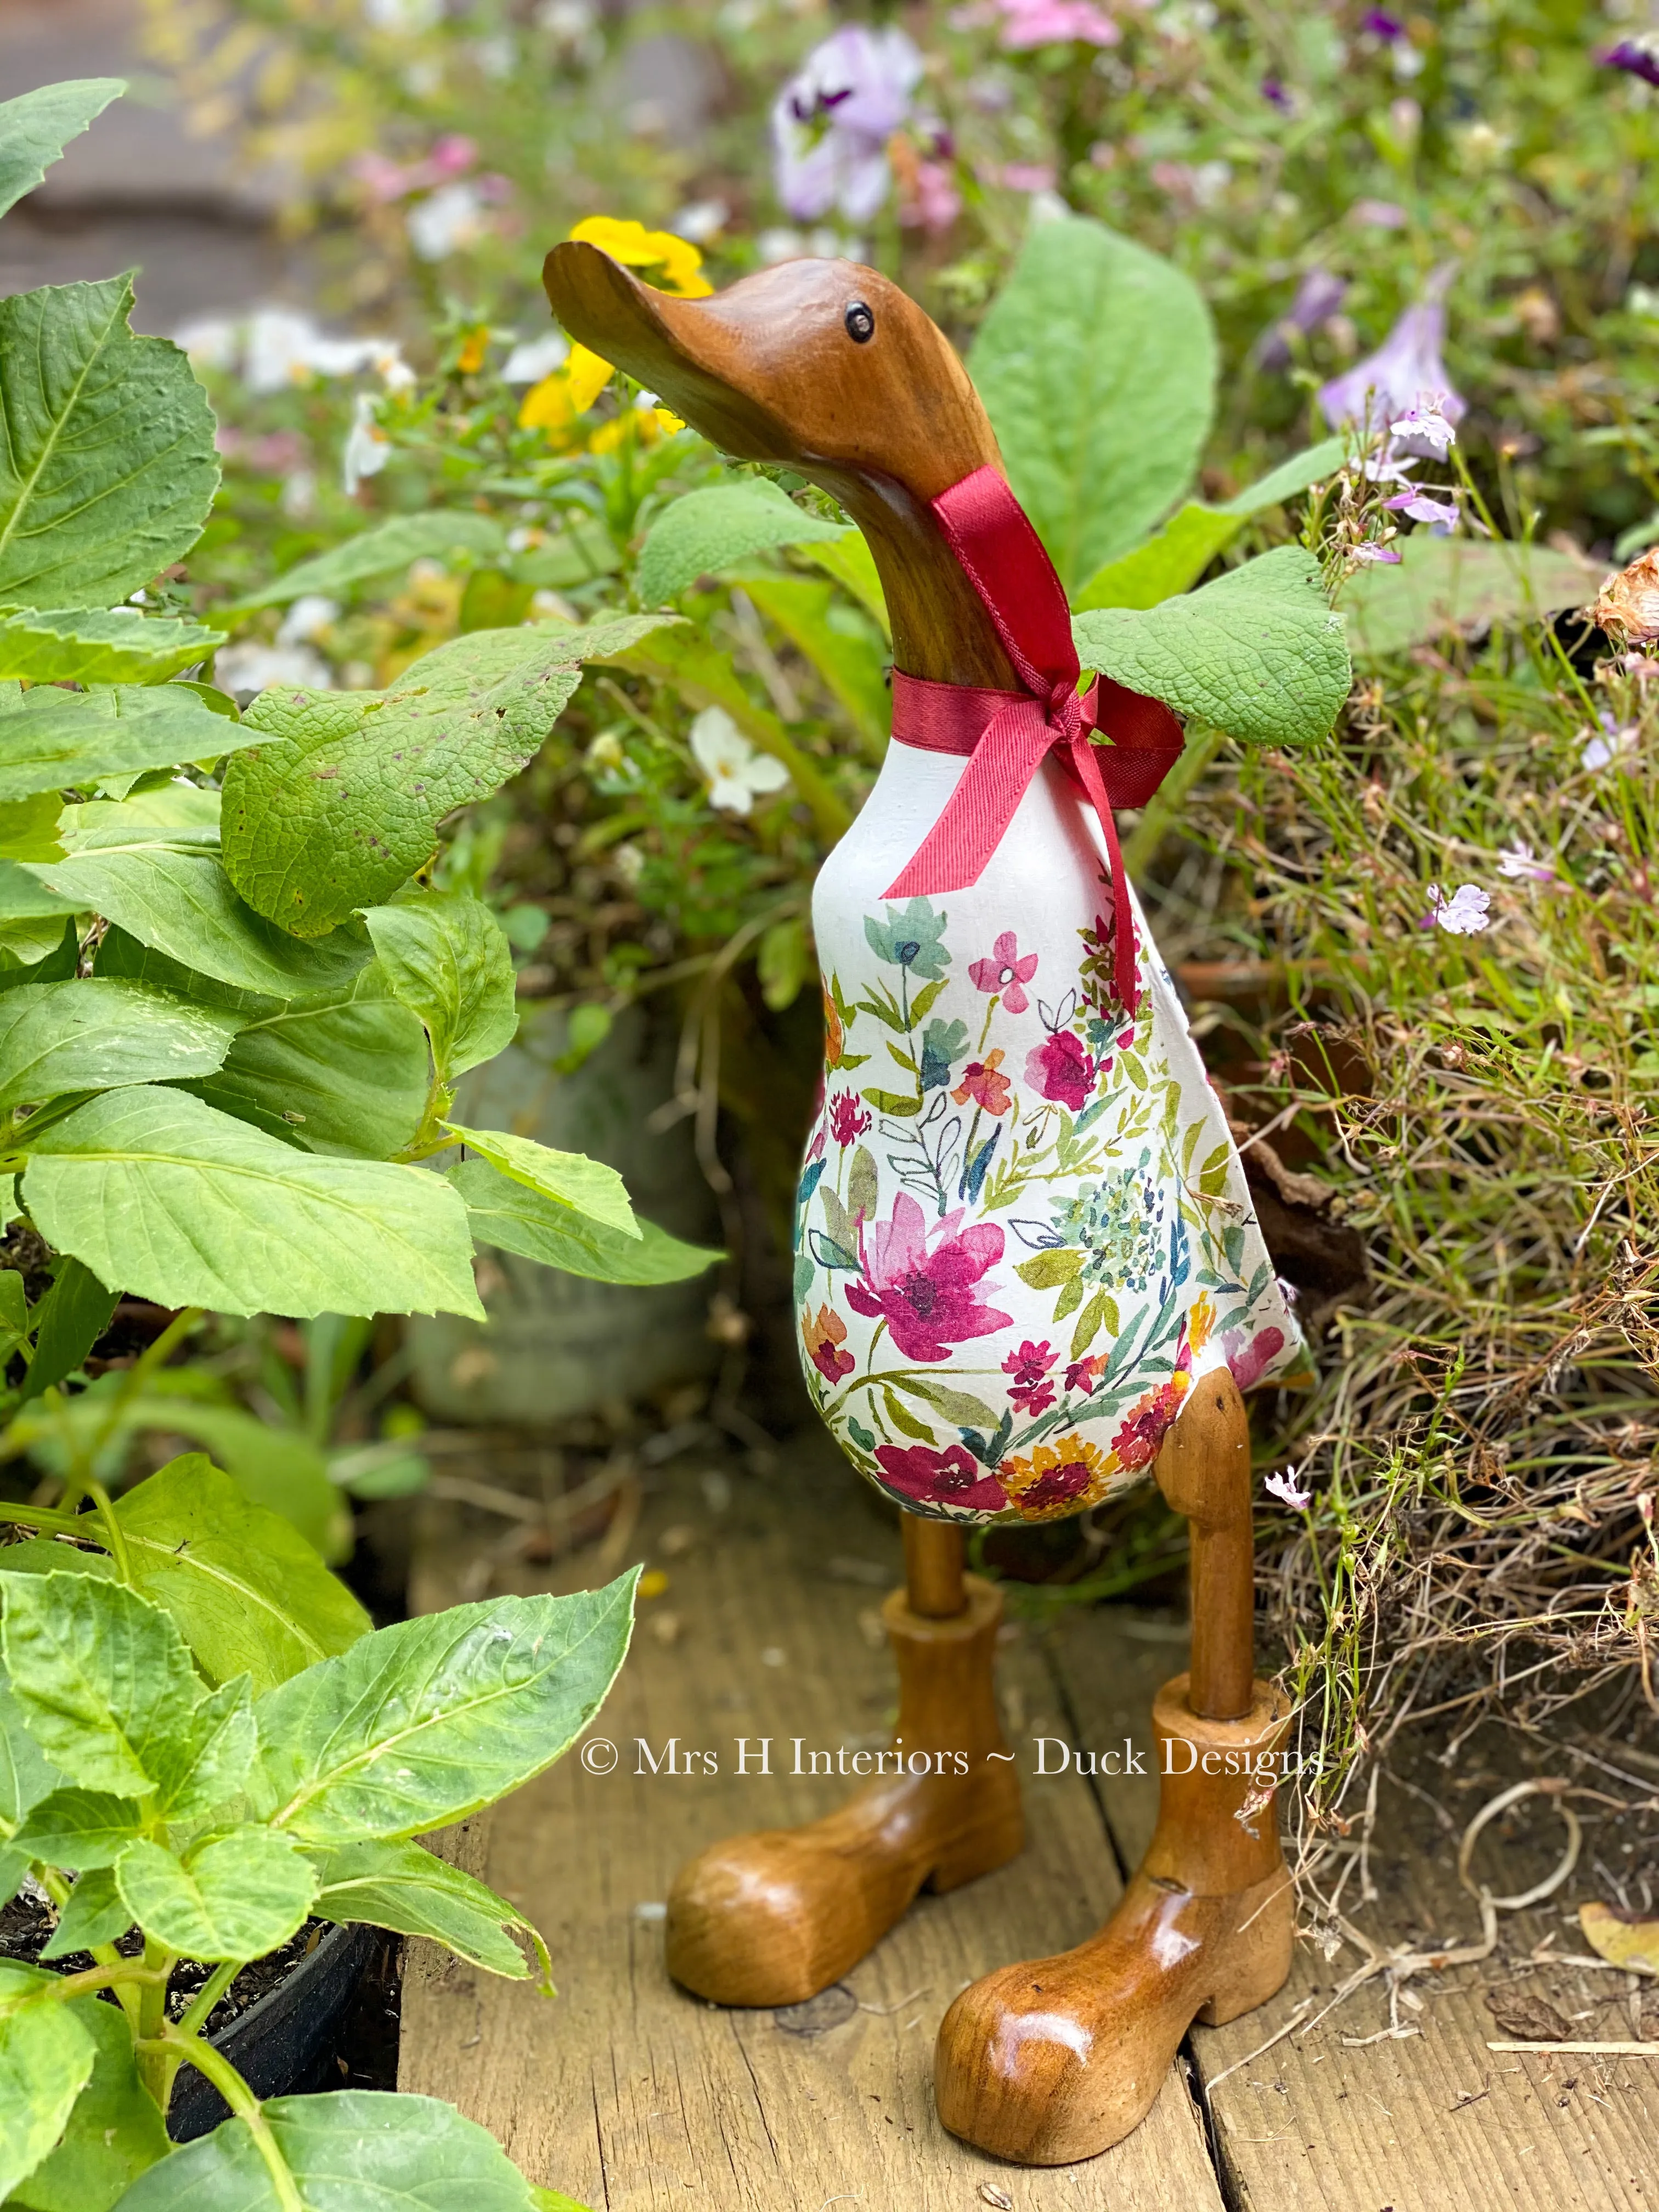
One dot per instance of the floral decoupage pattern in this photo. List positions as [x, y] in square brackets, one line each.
[1022, 1227]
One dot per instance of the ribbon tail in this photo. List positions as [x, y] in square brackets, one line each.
[957, 850]
[1087, 761]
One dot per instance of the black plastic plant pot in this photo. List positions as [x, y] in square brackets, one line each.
[283, 2045]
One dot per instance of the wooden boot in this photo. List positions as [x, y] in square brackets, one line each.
[1057, 2059]
[774, 1917]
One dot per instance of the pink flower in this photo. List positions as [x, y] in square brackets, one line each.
[983, 1083]
[1249, 1359]
[1138, 1442]
[848, 1119]
[1026, 177]
[1082, 1374]
[1030, 1363]
[1284, 1487]
[1031, 1398]
[1463, 914]
[951, 1477]
[1006, 972]
[931, 201]
[1521, 864]
[1061, 1069]
[1027, 23]
[928, 1299]
[824, 1333]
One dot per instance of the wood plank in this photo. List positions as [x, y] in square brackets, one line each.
[630, 2094]
[1434, 2122]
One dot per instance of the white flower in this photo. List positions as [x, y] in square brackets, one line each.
[308, 614]
[211, 341]
[1284, 1487]
[1519, 863]
[1464, 914]
[387, 361]
[532, 359]
[367, 449]
[245, 668]
[1426, 422]
[701, 221]
[278, 350]
[402, 16]
[298, 497]
[445, 221]
[736, 774]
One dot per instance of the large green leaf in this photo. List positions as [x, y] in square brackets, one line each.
[348, 1071]
[401, 1885]
[447, 959]
[340, 803]
[115, 2131]
[92, 1035]
[79, 1828]
[581, 1186]
[1096, 365]
[1258, 652]
[428, 1721]
[27, 1776]
[277, 1470]
[35, 128]
[514, 1217]
[182, 903]
[95, 1914]
[103, 1681]
[46, 2059]
[24, 896]
[1172, 560]
[107, 468]
[51, 739]
[1443, 584]
[391, 546]
[235, 1896]
[88, 645]
[357, 2150]
[703, 532]
[159, 1195]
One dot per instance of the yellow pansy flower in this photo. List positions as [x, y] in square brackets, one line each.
[555, 403]
[673, 265]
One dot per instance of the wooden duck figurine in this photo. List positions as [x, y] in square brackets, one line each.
[828, 369]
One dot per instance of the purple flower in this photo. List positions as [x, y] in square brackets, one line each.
[1060, 1069]
[1404, 368]
[1421, 507]
[1284, 1488]
[1463, 914]
[831, 122]
[1367, 555]
[929, 1299]
[1426, 423]
[1317, 297]
[1601, 749]
[1273, 91]
[1521, 864]
[1639, 54]
[1381, 214]
[1382, 25]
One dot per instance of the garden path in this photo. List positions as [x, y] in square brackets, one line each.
[635, 2097]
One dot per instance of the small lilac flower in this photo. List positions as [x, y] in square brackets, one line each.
[1421, 507]
[1318, 296]
[1638, 54]
[831, 122]
[1405, 366]
[1602, 748]
[1382, 25]
[1464, 914]
[1379, 215]
[1426, 422]
[1276, 94]
[1293, 1297]
[1371, 555]
[1520, 864]
[1284, 1487]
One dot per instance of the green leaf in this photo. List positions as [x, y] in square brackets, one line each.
[85, 645]
[1258, 652]
[703, 532]
[390, 546]
[54, 739]
[1096, 365]
[35, 128]
[108, 468]
[447, 959]
[92, 1035]
[236, 1896]
[79, 1828]
[957, 1405]
[246, 1589]
[69, 1321]
[159, 1195]
[278, 1472]
[46, 2058]
[355, 2148]
[103, 1681]
[904, 1421]
[1046, 1271]
[514, 1217]
[115, 2131]
[582, 551]
[1172, 560]
[95, 1914]
[1290, 478]
[348, 1071]
[30, 828]
[428, 1721]
[850, 562]
[1457, 584]
[24, 896]
[847, 650]
[581, 1186]
[182, 814]
[340, 801]
[401, 1885]
[783, 961]
[182, 904]
[27, 1775]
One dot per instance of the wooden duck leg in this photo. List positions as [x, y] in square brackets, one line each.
[1056, 2059]
[772, 1919]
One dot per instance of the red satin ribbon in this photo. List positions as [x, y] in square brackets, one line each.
[1006, 734]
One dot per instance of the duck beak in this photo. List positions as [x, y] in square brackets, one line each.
[688, 352]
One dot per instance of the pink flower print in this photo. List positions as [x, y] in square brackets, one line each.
[1061, 1069]
[1006, 972]
[983, 1083]
[951, 1477]
[825, 1333]
[929, 1299]
[1030, 1363]
[1084, 1374]
[848, 1119]
[1250, 1358]
[1137, 1443]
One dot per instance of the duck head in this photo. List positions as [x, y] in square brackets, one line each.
[828, 369]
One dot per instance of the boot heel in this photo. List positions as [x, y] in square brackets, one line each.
[995, 1834]
[1254, 1962]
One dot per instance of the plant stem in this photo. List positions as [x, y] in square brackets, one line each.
[209, 1996]
[112, 1527]
[40, 1516]
[194, 2050]
[153, 2067]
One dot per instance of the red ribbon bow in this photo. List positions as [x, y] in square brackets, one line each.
[1006, 734]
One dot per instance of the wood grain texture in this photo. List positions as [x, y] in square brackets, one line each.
[628, 2093]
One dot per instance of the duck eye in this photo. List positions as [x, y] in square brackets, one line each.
[860, 321]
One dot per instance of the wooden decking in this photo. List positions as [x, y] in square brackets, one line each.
[633, 2097]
